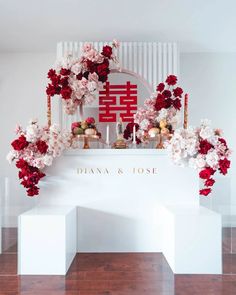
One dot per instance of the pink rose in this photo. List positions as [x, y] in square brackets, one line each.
[87, 47]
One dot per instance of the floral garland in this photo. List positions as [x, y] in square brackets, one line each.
[77, 80]
[161, 108]
[203, 149]
[34, 149]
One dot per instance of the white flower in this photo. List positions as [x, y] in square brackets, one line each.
[200, 162]
[32, 133]
[205, 122]
[92, 86]
[47, 160]
[162, 115]
[212, 159]
[76, 68]
[55, 128]
[144, 124]
[11, 156]
[206, 132]
[116, 43]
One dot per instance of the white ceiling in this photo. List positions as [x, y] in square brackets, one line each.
[197, 25]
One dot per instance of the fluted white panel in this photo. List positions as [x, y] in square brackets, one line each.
[151, 60]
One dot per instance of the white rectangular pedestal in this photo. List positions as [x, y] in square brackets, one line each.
[47, 240]
[0, 234]
[192, 240]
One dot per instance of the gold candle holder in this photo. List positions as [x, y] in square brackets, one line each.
[186, 111]
[49, 111]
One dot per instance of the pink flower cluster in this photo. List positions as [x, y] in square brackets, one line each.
[34, 149]
[77, 80]
[203, 149]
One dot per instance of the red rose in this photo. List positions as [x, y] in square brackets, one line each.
[90, 120]
[167, 93]
[66, 92]
[209, 182]
[205, 173]
[51, 90]
[160, 102]
[21, 163]
[128, 132]
[64, 81]
[178, 92]
[90, 66]
[20, 143]
[177, 103]
[171, 80]
[168, 103]
[64, 72]
[33, 191]
[79, 76]
[204, 146]
[222, 140]
[103, 71]
[42, 146]
[55, 80]
[205, 191]
[107, 51]
[51, 73]
[224, 166]
[160, 87]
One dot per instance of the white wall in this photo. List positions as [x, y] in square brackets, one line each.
[22, 97]
[209, 78]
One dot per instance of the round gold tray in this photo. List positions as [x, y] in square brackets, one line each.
[87, 138]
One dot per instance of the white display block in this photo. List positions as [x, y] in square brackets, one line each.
[0, 233]
[192, 240]
[46, 240]
[116, 192]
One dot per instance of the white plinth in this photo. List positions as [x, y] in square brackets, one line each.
[0, 234]
[46, 240]
[191, 240]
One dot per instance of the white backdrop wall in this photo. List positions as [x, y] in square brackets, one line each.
[209, 78]
[22, 97]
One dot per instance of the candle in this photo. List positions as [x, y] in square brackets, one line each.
[186, 111]
[134, 135]
[49, 111]
[107, 135]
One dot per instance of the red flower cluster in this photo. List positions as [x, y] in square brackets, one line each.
[204, 146]
[59, 82]
[29, 176]
[42, 146]
[128, 132]
[168, 97]
[224, 166]
[206, 173]
[20, 143]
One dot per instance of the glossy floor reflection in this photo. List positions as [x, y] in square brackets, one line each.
[113, 274]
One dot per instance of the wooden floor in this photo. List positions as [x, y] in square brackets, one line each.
[115, 274]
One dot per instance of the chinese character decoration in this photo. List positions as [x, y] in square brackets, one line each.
[117, 101]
